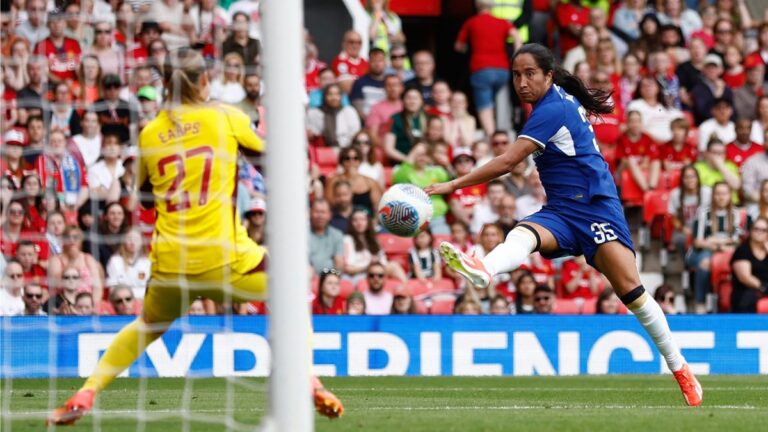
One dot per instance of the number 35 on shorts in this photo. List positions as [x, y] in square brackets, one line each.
[603, 232]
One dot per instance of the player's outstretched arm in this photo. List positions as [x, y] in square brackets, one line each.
[497, 167]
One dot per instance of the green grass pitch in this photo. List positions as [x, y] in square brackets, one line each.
[598, 403]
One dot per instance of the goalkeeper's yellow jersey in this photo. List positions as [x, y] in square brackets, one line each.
[190, 160]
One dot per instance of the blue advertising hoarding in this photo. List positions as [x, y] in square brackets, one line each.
[394, 345]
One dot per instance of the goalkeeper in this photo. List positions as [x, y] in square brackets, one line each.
[188, 157]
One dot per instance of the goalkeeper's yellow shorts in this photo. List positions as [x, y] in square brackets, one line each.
[170, 294]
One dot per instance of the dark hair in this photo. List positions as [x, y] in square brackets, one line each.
[659, 92]
[495, 182]
[677, 30]
[662, 292]
[371, 156]
[376, 50]
[543, 288]
[604, 295]
[757, 106]
[365, 240]
[39, 205]
[691, 168]
[595, 101]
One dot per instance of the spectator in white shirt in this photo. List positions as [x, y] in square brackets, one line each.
[88, 142]
[11, 302]
[104, 176]
[377, 300]
[487, 210]
[719, 125]
[130, 265]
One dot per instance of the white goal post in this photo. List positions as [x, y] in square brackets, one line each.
[290, 409]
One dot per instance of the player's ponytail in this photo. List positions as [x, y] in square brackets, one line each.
[595, 101]
[182, 71]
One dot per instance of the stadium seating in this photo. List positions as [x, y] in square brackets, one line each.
[762, 306]
[721, 279]
[435, 304]
[631, 194]
[567, 307]
[388, 175]
[327, 160]
[396, 248]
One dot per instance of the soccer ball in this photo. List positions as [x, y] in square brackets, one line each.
[405, 210]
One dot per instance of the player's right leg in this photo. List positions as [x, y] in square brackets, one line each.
[252, 285]
[617, 262]
[163, 303]
[523, 240]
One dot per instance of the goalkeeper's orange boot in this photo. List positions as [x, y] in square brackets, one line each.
[76, 407]
[326, 403]
[689, 385]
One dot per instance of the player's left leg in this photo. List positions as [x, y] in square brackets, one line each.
[617, 262]
[163, 303]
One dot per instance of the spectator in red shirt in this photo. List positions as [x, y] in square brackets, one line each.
[28, 254]
[638, 153]
[580, 280]
[741, 149]
[139, 52]
[349, 65]
[62, 53]
[487, 36]
[571, 17]
[34, 202]
[462, 201]
[328, 301]
[11, 232]
[12, 164]
[678, 153]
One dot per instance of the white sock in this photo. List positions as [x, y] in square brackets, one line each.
[652, 318]
[508, 256]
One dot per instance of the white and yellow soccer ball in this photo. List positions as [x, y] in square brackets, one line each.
[405, 210]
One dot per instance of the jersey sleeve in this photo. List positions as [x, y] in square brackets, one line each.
[544, 122]
[242, 131]
[464, 32]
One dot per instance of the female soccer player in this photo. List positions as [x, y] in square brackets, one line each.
[583, 215]
[188, 156]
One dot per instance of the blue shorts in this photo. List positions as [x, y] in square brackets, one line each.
[581, 227]
[485, 84]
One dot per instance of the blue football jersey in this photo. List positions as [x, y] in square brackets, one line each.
[569, 162]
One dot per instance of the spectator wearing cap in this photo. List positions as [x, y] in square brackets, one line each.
[719, 125]
[239, 42]
[139, 54]
[349, 65]
[379, 118]
[424, 71]
[711, 88]
[755, 172]
[462, 201]
[745, 97]
[111, 56]
[12, 164]
[742, 148]
[34, 29]
[368, 89]
[255, 220]
[399, 64]
[148, 104]
[62, 53]
[114, 112]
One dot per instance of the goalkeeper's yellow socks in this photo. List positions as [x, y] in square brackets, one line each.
[132, 340]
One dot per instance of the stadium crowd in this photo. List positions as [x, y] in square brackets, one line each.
[687, 141]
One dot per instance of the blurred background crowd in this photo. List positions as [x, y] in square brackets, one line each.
[687, 143]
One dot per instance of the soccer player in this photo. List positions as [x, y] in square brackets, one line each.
[188, 159]
[583, 215]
